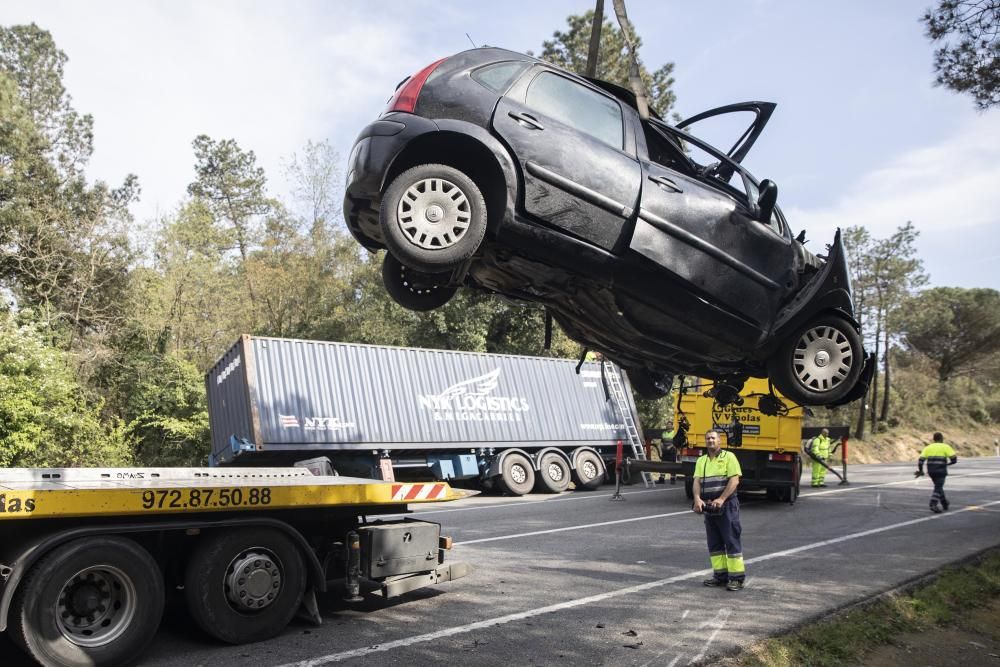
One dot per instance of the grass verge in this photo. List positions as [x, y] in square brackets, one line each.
[846, 637]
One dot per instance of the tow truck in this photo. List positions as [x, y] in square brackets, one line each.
[88, 557]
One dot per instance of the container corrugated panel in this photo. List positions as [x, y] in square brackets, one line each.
[313, 395]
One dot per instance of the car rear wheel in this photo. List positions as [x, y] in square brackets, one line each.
[433, 217]
[820, 363]
[412, 289]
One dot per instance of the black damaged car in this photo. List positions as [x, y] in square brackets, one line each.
[496, 171]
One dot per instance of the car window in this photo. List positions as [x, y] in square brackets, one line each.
[577, 106]
[499, 76]
[665, 151]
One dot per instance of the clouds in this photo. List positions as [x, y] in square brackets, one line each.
[948, 189]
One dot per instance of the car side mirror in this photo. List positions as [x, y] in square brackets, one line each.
[766, 200]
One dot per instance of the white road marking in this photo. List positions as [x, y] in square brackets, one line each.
[674, 661]
[568, 528]
[600, 597]
[847, 489]
[718, 622]
[685, 614]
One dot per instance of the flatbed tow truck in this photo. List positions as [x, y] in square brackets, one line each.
[89, 557]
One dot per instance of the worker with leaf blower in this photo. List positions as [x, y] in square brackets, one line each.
[819, 449]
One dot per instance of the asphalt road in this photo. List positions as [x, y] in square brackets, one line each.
[579, 579]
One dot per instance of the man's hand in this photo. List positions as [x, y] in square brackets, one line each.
[919, 473]
[699, 505]
[717, 503]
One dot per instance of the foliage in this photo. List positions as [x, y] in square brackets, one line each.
[958, 328]
[569, 50]
[968, 60]
[46, 419]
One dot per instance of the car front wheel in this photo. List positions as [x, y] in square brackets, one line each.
[820, 363]
[433, 217]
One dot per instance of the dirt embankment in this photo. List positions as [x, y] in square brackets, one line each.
[903, 444]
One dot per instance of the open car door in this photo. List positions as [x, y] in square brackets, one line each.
[761, 114]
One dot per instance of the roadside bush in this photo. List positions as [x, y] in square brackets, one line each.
[45, 418]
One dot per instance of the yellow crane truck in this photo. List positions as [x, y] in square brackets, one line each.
[767, 445]
[89, 556]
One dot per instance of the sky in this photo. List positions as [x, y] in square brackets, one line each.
[861, 136]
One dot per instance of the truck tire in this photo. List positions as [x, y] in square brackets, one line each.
[93, 601]
[244, 584]
[553, 474]
[433, 217]
[589, 472]
[517, 474]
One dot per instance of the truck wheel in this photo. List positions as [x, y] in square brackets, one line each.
[412, 289]
[244, 584]
[92, 601]
[820, 363]
[433, 217]
[589, 472]
[553, 474]
[517, 474]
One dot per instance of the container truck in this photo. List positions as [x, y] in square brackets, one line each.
[514, 422]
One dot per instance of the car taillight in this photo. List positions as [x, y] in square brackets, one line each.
[780, 457]
[406, 95]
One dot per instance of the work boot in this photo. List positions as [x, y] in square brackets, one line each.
[735, 585]
[661, 481]
[714, 583]
[935, 507]
[945, 504]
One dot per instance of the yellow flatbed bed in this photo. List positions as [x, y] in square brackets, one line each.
[96, 492]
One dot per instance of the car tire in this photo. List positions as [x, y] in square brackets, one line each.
[588, 475]
[517, 474]
[115, 573]
[433, 217]
[553, 474]
[237, 609]
[820, 363]
[412, 289]
[648, 385]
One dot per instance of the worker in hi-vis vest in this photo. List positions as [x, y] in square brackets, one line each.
[819, 447]
[938, 456]
[716, 477]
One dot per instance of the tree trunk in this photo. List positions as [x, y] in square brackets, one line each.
[874, 388]
[884, 416]
[859, 431]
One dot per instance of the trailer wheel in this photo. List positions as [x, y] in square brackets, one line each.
[517, 474]
[589, 472]
[92, 601]
[244, 584]
[553, 474]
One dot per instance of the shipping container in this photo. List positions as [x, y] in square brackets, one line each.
[391, 411]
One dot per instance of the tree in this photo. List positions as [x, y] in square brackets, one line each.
[957, 328]
[316, 184]
[968, 60]
[569, 50]
[29, 55]
[233, 188]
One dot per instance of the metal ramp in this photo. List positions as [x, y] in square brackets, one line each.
[618, 397]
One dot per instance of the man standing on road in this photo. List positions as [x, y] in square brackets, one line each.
[819, 447]
[716, 476]
[938, 455]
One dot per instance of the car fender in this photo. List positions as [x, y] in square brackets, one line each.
[829, 290]
[499, 151]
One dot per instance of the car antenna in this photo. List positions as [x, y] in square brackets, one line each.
[471, 42]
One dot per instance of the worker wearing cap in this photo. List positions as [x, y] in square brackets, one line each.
[819, 447]
[938, 456]
[716, 477]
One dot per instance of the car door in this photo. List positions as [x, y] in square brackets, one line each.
[704, 234]
[571, 141]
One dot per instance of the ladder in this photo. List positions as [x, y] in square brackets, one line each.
[616, 391]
